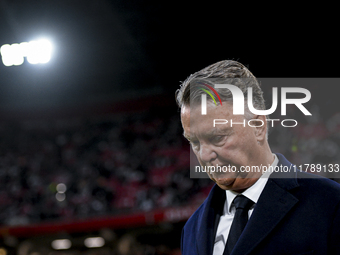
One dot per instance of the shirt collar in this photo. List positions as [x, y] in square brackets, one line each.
[253, 192]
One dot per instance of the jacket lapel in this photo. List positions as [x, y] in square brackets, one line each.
[274, 203]
[212, 209]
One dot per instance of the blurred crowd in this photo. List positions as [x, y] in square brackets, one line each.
[79, 168]
[63, 169]
[66, 169]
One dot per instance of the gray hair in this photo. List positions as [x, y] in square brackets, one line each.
[223, 72]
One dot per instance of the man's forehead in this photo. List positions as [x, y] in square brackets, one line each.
[222, 129]
[185, 109]
[194, 112]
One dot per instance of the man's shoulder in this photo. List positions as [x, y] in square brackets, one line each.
[307, 186]
[194, 218]
[197, 216]
[304, 179]
[318, 184]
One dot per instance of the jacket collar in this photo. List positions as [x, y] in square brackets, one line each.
[274, 203]
[207, 223]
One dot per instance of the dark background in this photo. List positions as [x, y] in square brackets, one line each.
[121, 57]
[107, 48]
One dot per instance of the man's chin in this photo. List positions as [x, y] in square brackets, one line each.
[235, 183]
[225, 183]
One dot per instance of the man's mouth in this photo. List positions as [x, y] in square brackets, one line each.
[225, 181]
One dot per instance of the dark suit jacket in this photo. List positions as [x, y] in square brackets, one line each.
[294, 215]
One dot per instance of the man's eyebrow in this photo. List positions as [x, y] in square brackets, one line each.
[220, 130]
[213, 132]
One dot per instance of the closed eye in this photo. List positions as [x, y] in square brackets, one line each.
[195, 144]
[217, 139]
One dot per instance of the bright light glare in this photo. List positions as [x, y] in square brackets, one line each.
[94, 242]
[60, 196]
[37, 52]
[61, 244]
[61, 188]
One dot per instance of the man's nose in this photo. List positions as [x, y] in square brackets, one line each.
[207, 153]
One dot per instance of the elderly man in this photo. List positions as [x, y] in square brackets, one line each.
[250, 212]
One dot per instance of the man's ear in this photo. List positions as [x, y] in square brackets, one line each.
[260, 127]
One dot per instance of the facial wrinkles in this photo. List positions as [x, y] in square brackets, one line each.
[202, 134]
[237, 149]
[217, 157]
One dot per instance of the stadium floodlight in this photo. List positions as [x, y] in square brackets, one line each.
[36, 52]
[60, 196]
[61, 188]
[94, 242]
[61, 244]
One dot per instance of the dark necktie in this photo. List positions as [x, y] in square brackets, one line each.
[240, 220]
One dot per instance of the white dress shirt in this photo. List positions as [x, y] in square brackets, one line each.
[253, 193]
